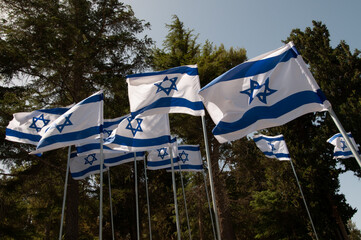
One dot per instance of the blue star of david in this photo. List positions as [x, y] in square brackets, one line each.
[130, 127]
[183, 156]
[272, 146]
[67, 122]
[262, 95]
[40, 118]
[162, 152]
[90, 159]
[343, 145]
[166, 81]
[107, 132]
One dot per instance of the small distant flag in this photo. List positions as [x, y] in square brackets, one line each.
[266, 91]
[160, 158]
[83, 166]
[111, 160]
[341, 149]
[77, 125]
[189, 159]
[272, 147]
[140, 133]
[25, 126]
[170, 91]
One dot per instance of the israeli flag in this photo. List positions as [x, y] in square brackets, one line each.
[79, 124]
[141, 133]
[189, 159]
[266, 91]
[341, 149]
[93, 146]
[272, 147]
[25, 126]
[171, 91]
[83, 166]
[161, 158]
[111, 160]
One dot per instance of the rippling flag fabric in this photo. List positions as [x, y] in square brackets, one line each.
[272, 146]
[341, 149]
[160, 158]
[266, 91]
[25, 126]
[189, 159]
[77, 125]
[83, 166]
[173, 90]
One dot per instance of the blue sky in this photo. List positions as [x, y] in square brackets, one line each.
[259, 26]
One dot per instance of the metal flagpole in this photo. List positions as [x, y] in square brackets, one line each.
[111, 204]
[209, 205]
[344, 135]
[304, 200]
[65, 191]
[185, 202]
[147, 192]
[101, 188]
[174, 192]
[211, 176]
[136, 193]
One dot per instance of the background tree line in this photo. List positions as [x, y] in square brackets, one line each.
[64, 51]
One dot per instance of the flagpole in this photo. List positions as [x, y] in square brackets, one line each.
[185, 202]
[304, 200]
[111, 204]
[101, 187]
[210, 176]
[136, 193]
[65, 191]
[174, 193]
[344, 135]
[147, 192]
[209, 205]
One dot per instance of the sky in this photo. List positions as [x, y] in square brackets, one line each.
[259, 26]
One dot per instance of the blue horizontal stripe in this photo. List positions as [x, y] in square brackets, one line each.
[57, 111]
[67, 137]
[161, 162]
[177, 70]
[86, 171]
[90, 147]
[189, 148]
[135, 142]
[26, 136]
[249, 69]
[73, 154]
[267, 112]
[270, 139]
[109, 123]
[122, 158]
[171, 102]
[277, 155]
[344, 154]
[339, 135]
[187, 167]
[92, 99]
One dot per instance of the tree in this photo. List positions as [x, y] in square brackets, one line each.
[64, 51]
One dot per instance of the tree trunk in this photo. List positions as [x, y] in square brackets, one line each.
[72, 202]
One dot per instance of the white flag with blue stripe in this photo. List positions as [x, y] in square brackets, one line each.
[83, 166]
[93, 146]
[171, 91]
[341, 149]
[266, 91]
[160, 158]
[79, 124]
[272, 147]
[189, 159]
[140, 133]
[25, 126]
[111, 160]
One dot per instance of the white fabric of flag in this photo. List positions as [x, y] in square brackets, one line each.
[266, 91]
[160, 158]
[111, 160]
[25, 126]
[189, 159]
[140, 133]
[79, 124]
[272, 146]
[341, 149]
[83, 166]
[93, 146]
[170, 91]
